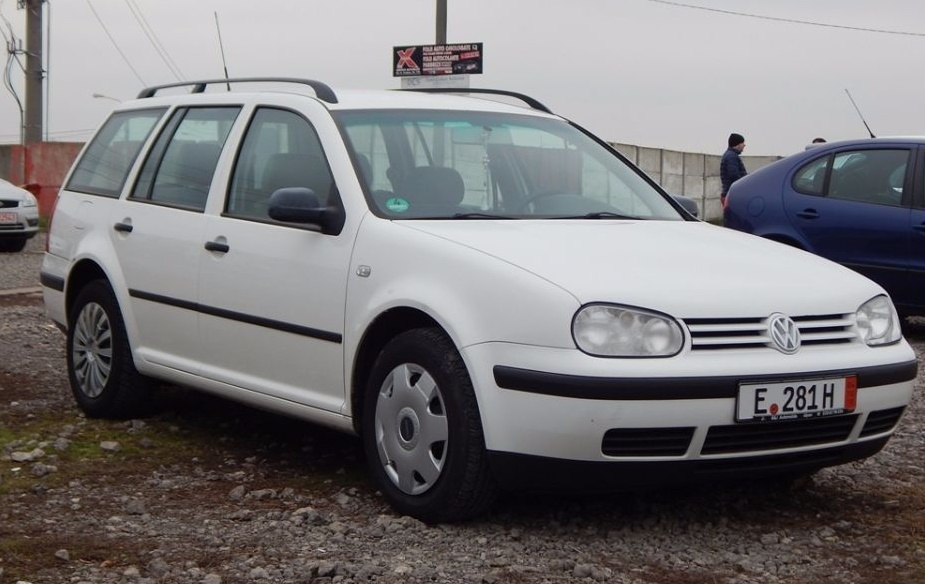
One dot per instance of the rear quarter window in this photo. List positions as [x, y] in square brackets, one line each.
[106, 162]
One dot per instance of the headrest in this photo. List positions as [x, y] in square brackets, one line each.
[293, 169]
[432, 185]
[195, 162]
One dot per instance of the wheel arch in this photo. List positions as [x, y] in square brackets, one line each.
[83, 272]
[385, 327]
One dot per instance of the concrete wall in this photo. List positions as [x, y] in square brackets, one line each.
[687, 173]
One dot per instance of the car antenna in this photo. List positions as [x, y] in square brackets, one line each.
[222, 49]
[859, 113]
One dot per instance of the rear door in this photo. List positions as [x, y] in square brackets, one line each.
[853, 206]
[157, 233]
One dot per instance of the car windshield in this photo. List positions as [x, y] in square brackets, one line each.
[423, 164]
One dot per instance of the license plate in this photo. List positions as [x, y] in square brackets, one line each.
[794, 400]
[8, 217]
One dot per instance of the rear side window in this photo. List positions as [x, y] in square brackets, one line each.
[867, 176]
[181, 165]
[810, 179]
[105, 164]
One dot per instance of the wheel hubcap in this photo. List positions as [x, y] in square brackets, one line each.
[92, 349]
[411, 429]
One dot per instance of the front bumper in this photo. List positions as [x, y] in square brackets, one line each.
[538, 473]
[24, 228]
[561, 411]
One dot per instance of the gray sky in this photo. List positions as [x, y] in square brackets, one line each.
[646, 72]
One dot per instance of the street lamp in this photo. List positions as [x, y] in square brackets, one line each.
[101, 96]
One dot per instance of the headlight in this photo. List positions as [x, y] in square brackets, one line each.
[878, 322]
[29, 201]
[620, 331]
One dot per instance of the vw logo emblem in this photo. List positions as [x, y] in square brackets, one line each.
[784, 333]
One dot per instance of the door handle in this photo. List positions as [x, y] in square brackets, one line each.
[216, 246]
[123, 227]
[808, 214]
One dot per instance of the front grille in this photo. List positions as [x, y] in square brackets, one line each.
[711, 334]
[647, 441]
[11, 227]
[7, 203]
[881, 421]
[777, 435]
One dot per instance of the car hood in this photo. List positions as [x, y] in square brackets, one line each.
[687, 269]
[14, 193]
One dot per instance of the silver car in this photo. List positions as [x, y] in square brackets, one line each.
[19, 217]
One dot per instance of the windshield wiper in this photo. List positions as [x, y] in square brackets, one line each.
[479, 216]
[599, 215]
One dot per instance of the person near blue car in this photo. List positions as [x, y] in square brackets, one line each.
[731, 167]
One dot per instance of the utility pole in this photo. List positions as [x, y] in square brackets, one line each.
[34, 126]
[439, 134]
[441, 22]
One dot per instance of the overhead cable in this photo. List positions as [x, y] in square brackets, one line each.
[114, 43]
[152, 38]
[789, 20]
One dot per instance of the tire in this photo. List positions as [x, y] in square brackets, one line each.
[100, 368]
[422, 433]
[12, 244]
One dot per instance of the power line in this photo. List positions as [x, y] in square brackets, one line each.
[13, 50]
[152, 38]
[56, 133]
[116, 45]
[789, 20]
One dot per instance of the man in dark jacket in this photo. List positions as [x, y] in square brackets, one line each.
[731, 167]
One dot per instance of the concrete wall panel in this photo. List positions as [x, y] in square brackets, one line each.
[673, 183]
[628, 150]
[672, 162]
[693, 164]
[650, 160]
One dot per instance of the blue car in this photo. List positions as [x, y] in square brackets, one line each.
[858, 202]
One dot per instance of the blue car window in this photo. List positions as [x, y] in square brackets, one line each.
[872, 176]
[810, 179]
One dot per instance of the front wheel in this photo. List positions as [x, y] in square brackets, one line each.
[13, 245]
[422, 432]
[102, 373]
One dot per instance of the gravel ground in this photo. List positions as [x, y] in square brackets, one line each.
[208, 492]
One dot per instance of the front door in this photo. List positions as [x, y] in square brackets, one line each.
[271, 294]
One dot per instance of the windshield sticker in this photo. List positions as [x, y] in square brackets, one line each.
[397, 205]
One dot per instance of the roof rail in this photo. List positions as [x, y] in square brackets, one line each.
[524, 98]
[322, 90]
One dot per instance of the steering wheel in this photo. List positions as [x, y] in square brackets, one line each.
[521, 206]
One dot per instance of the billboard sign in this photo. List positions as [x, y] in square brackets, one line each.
[423, 60]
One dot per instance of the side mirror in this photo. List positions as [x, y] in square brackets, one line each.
[302, 205]
[690, 205]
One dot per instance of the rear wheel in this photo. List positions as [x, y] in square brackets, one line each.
[102, 373]
[422, 432]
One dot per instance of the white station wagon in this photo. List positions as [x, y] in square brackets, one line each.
[487, 294]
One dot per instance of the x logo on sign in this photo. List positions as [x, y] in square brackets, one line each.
[405, 60]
